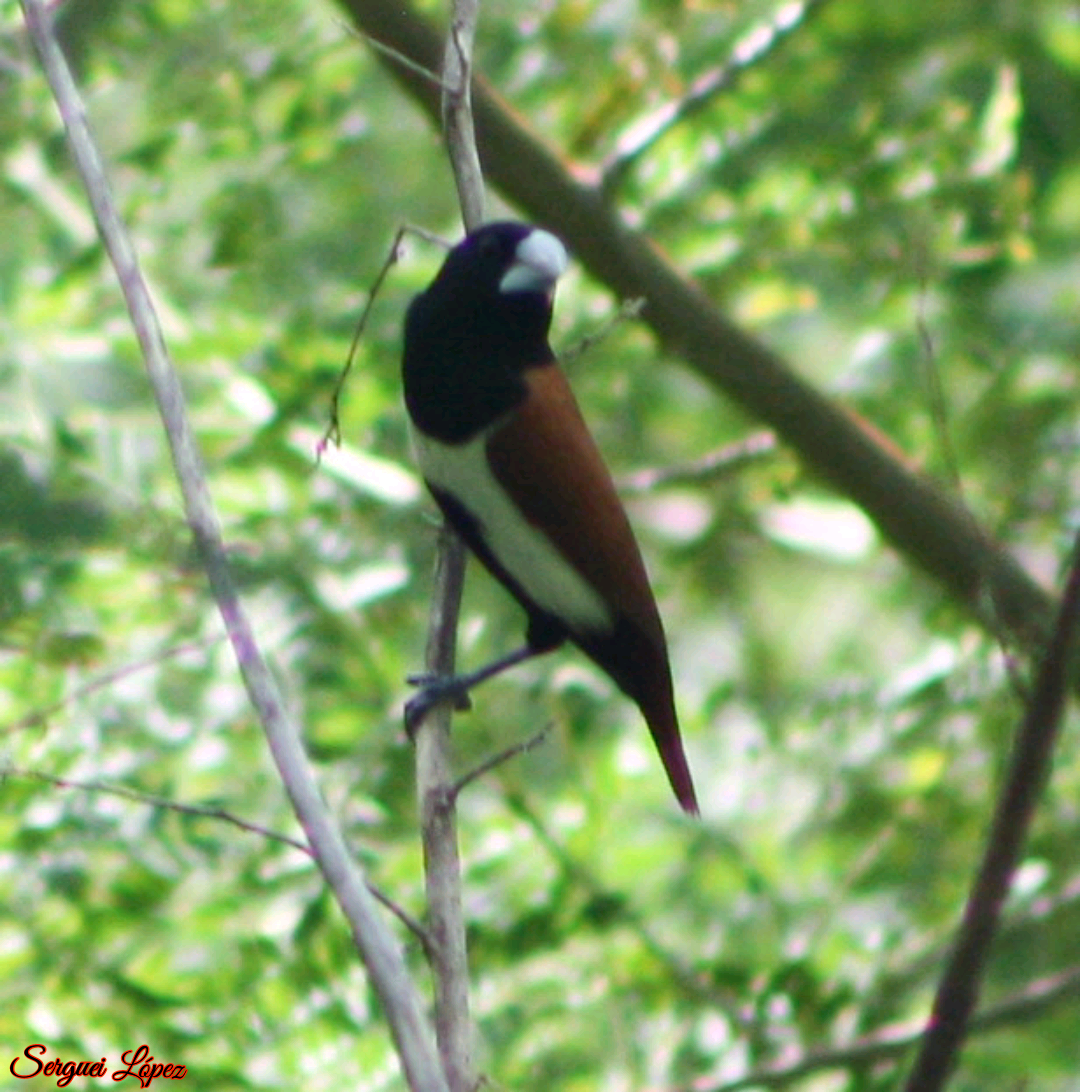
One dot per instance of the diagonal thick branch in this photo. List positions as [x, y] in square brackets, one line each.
[923, 522]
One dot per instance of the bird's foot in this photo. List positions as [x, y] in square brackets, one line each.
[434, 689]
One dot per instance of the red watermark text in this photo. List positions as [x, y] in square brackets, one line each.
[138, 1063]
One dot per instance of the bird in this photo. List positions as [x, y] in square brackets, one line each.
[504, 450]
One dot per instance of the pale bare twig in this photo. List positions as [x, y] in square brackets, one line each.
[394, 54]
[204, 811]
[886, 1045]
[502, 756]
[435, 783]
[378, 948]
[39, 716]
[332, 435]
[393, 256]
[723, 462]
[628, 310]
[749, 51]
[438, 828]
[457, 111]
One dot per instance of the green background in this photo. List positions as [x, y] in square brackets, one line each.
[888, 195]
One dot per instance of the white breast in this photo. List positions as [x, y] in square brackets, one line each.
[525, 553]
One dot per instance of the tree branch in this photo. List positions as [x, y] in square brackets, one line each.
[1029, 769]
[457, 114]
[1029, 1003]
[492, 762]
[39, 716]
[724, 462]
[375, 943]
[751, 49]
[204, 811]
[435, 783]
[918, 518]
[921, 520]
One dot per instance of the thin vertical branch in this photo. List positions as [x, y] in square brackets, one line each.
[1029, 768]
[435, 779]
[438, 830]
[378, 949]
[457, 111]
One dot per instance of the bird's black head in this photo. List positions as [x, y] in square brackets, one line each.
[480, 324]
[505, 264]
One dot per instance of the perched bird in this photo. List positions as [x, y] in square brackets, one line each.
[505, 451]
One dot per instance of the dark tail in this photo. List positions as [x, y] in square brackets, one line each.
[664, 726]
[639, 665]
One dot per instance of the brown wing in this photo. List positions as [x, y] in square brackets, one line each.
[547, 461]
[545, 458]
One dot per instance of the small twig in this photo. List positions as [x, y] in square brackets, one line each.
[332, 435]
[1029, 768]
[500, 757]
[204, 811]
[885, 1045]
[438, 827]
[939, 410]
[414, 926]
[457, 112]
[39, 716]
[628, 311]
[754, 47]
[724, 461]
[395, 55]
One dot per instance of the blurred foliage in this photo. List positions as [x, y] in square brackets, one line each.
[887, 193]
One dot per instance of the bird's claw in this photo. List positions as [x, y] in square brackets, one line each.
[433, 690]
[425, 679]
